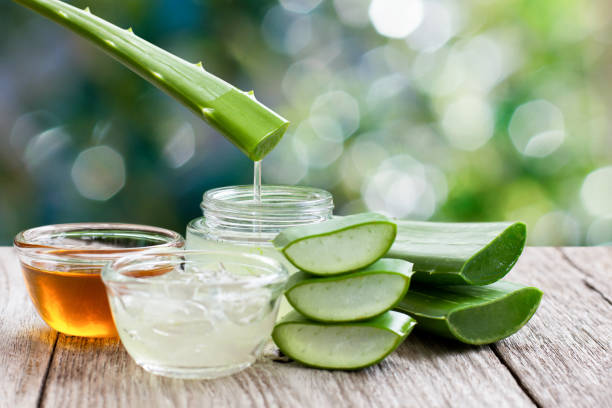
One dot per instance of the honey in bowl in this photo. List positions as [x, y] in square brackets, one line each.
[72, 302]
[61, 265]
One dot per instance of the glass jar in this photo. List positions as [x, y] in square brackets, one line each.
[61, 266]
[194, 314]
[233, 219]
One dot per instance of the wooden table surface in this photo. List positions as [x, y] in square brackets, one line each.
[561, 358]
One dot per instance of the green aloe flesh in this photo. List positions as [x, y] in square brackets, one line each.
[251, 126]
[354, 296]
[472, 314]
[341, 346]
[339, 245]
[459, 253]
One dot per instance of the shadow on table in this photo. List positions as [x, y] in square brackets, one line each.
[37, 334]
[88, 344]
[47, 335]
[426, 346]
[419, 346]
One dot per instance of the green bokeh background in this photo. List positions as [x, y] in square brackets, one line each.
[478, 111]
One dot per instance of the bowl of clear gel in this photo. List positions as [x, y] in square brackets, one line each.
[194, 313]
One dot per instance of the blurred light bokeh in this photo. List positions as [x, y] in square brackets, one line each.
[477, 110]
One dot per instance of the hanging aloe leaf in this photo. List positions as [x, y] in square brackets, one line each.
[471, 314]
[251, 126]
[459, 253]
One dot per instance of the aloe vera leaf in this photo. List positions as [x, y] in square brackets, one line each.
[251, 126]
[338, 245]
[459, 253]
[353, 296]
[472, 314]
[341, 346]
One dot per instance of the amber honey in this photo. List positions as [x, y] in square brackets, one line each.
[71, 302]
[62, 264]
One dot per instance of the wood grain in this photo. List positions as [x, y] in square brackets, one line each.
[26, 342]
[425, 371]
[562, 356]
[596, 265]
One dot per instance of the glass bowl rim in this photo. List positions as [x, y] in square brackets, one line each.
[111, 274]
[28, 249]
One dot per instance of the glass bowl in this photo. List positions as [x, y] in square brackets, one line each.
[61, 266]
[194, 313]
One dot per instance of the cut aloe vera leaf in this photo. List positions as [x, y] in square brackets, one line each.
[472, 314]
[354, 296]
[459, 253]
[339, 245]
[341, 346]
[251, 126]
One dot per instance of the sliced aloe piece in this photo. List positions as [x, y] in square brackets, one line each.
[459, 253]
[339, 245]
[472, 314]
[353, 296]
[341, 346]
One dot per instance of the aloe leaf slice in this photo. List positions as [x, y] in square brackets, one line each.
[251, 126]
[341, 346]
[353, 296]
[459, 253]
[472, 314]
[338, 245]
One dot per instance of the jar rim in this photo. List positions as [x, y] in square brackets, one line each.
[274, 198]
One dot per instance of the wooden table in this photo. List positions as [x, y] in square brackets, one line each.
[561, 358]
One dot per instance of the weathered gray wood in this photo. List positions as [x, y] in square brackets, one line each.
[423, 372]
[562, 356]
[596, 264]
[26, 342]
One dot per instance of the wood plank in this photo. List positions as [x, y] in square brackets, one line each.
[596, 264]
[562, 357]
[424, 371]
[26, 342]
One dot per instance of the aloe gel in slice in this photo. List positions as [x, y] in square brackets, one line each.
[338, 245]
[471, 314]
[352, 296]
[459, 253]
[341, 346]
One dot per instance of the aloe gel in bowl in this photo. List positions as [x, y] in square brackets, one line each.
[194, 314]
